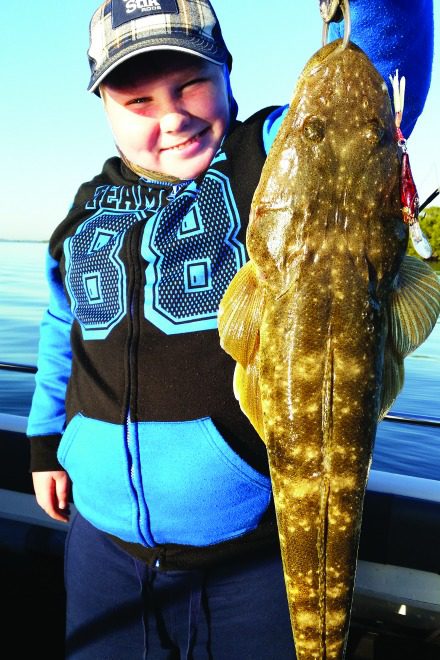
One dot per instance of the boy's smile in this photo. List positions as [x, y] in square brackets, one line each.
[168, 111]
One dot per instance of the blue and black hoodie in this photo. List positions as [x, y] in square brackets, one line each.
[134, 392]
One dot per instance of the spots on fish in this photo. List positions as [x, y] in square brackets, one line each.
[324, 228]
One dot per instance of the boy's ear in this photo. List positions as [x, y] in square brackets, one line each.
[101, 91]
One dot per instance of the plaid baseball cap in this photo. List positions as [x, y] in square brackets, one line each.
[120, 29]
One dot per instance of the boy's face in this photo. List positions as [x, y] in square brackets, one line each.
[170, 117]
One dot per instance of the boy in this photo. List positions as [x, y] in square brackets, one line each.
[174, 550]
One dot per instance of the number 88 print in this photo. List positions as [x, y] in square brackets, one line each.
[192, 252]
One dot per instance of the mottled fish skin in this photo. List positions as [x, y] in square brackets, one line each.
[319, 322]
[327, 238]
[326, 233]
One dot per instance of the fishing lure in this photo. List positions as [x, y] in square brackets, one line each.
[408, 191]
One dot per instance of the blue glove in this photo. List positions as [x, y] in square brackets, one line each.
[396, 34]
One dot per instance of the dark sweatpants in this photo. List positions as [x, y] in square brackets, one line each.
[120, 609]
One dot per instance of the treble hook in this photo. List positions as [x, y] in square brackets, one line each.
[335, 11]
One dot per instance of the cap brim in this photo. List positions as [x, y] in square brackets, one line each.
[98, 78]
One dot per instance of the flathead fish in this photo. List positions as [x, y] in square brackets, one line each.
[319, 321]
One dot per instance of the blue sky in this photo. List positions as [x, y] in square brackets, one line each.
[54, 134]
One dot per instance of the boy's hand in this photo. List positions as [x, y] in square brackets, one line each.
[52, 491]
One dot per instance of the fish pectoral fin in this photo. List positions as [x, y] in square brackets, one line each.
[240, 315]
[413, 312]
[247, 391]
[414, 305]
[393, 378]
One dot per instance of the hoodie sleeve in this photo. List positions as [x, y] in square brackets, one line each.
[395, 34]
[47, 415]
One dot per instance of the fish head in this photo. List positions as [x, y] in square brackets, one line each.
[330, 185]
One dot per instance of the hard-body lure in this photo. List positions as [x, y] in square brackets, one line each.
[408, 192]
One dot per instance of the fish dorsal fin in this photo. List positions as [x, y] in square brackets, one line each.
[414, 305]
[240, 315]
[247, 391]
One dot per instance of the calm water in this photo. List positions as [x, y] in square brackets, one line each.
[23, 297]
[404, 448]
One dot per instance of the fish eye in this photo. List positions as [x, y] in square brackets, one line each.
[313, 128]
[373, 132]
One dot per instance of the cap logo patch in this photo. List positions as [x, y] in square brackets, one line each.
[128, 10]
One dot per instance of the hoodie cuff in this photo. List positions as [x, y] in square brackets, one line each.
[44, 453]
